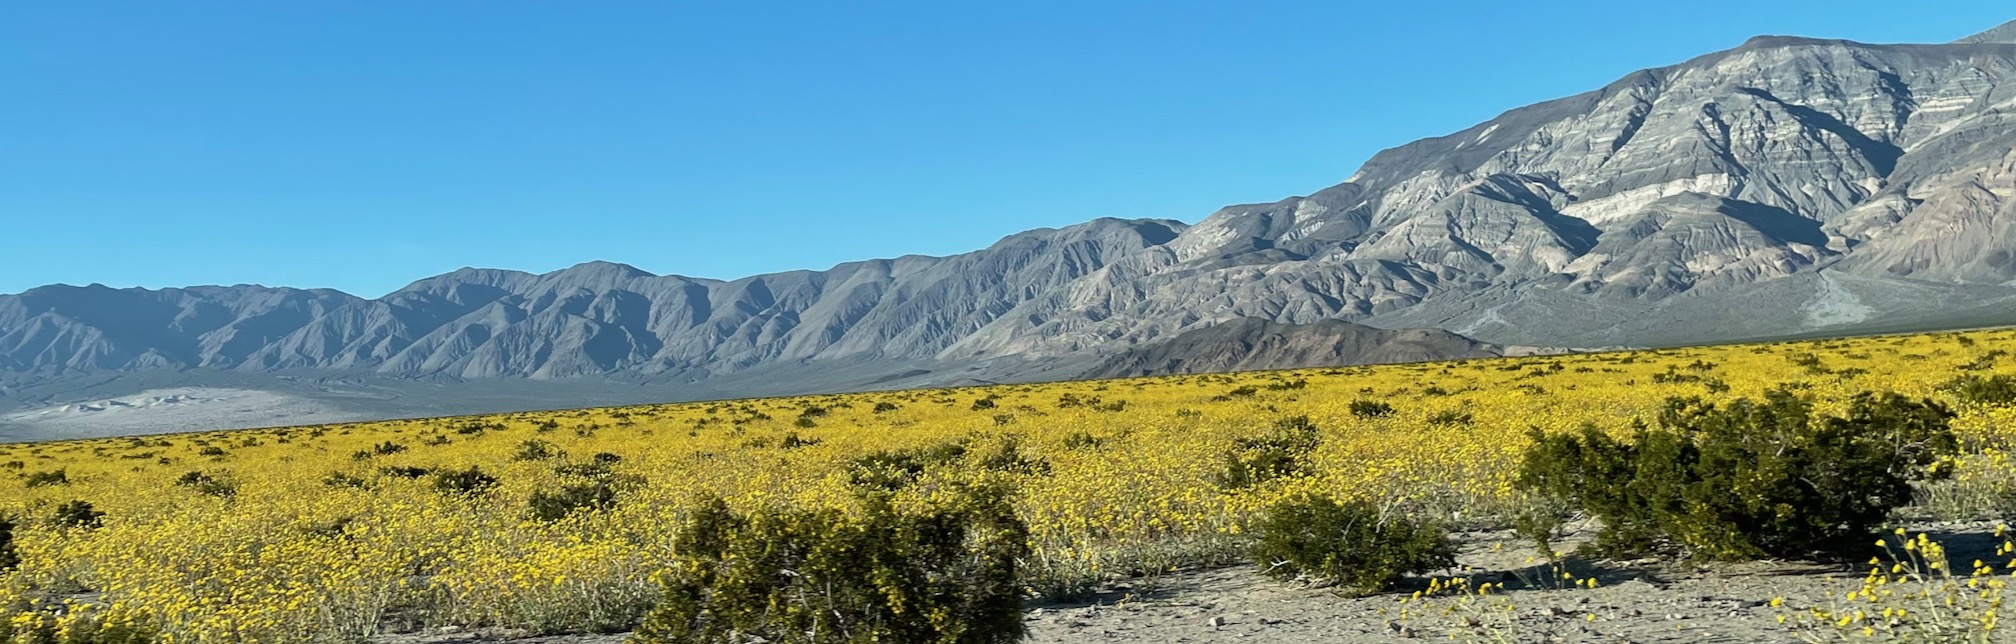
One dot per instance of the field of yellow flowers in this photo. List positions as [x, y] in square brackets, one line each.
[333, 533]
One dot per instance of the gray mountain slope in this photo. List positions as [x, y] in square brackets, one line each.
[1251, 344]
[2005, 34]
[1787, 187]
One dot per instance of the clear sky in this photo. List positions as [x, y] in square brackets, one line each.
[362, 145]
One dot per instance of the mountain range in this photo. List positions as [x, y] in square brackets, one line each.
[1787, 187]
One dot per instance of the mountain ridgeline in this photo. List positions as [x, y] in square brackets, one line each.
[1790, 186]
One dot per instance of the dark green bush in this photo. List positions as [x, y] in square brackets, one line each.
[1452, 418]
[78, 514]
[404, 471]
[1370, 409]
[469, 481]
[10, 558]
[474, 428]
[1992, 390]
[1278, 453]
[535, 450]
[209, 484]
[1349, 544]
[1007, 456]
[895, 469]
[946, 575]
[885, 407]
[1083, 440]
[1746, 480]
[45, 479]
[553, 506]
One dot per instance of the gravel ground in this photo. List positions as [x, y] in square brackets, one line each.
[1641, 601]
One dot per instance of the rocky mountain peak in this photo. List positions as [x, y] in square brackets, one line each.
[1772, 42]
[2003, 35]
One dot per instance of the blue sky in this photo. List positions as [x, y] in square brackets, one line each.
[362, 145]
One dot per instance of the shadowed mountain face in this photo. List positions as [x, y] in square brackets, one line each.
[1789, 186]
[595, 318]
[1253, 344]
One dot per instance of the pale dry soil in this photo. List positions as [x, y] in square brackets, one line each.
[1636, 601]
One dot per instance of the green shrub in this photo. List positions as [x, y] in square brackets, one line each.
[10, 558]
[1747, 480]
[1452, 418]
[46, 479]
[1083, 440]
[1992, 390]
[404, 471]
[1290, 385]
[1278, 453]
[535, 450]
[1370, 409]
[474, 428]
[945, 575]
[78, 514]
[1006, 456]
[209, 484]
[1349, 544]
[553, 506]
[895, 469]
[469, 481]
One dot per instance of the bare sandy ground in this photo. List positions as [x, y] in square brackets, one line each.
[170, 409]
[1644, 601]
